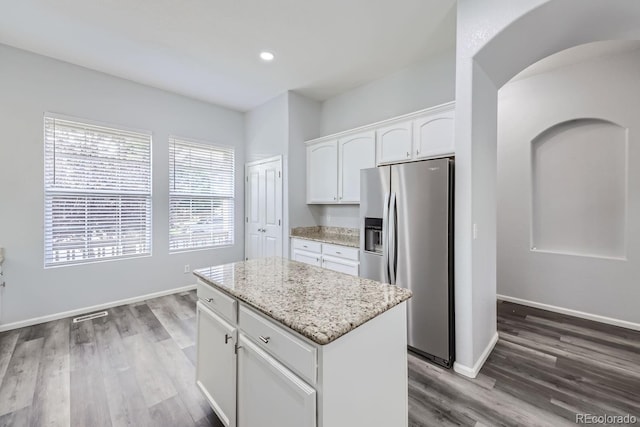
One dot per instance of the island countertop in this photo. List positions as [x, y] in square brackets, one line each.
[320, 304]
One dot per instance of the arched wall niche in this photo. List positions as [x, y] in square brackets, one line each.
[579, 189]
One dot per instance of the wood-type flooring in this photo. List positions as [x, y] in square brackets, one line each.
[136, 367]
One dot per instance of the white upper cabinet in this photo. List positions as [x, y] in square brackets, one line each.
[433, 135]
[355, 152]
[322, 172]
[334, 162]
[395, 142]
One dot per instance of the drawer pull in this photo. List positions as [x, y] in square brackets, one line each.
[264, 339]
[305, 246]
[209, 299]
[339, 253]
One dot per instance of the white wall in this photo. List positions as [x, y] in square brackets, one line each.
[423, 85]
[304, 124]
[496, 40]
[606, 88]
[426, 84]
[266, 129]
[31, 85]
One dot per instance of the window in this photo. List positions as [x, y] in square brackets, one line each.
[201, 195]
[97, 193]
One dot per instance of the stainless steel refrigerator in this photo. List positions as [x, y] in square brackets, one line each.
[406, 239]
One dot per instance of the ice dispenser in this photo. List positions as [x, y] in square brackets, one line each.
[373, 235]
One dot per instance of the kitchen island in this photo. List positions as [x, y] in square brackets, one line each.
[281, 343]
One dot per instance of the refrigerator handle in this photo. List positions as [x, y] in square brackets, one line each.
[392, 239]
[385, 238]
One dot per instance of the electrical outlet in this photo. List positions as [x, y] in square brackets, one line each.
[187, 269]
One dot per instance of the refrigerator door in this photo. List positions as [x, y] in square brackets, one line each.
[421, 212]
[374, 203]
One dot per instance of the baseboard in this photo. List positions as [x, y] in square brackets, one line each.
[473, 372]
[85, 310]
[574, 313]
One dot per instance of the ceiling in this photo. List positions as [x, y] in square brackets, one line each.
[208, 49]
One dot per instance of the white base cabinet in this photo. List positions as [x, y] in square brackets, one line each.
[286, 380]
[343, 259]
[216, 363]
[269, 394]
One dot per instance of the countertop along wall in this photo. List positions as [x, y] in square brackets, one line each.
[31, 85]
[606, 88]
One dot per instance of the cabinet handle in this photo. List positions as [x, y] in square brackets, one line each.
[227, 337]
[339, 253]
[408, 154]
[417, 152]
[305, 246]
[209, 299]
[318, 259]
[264, 339]
[335, 198]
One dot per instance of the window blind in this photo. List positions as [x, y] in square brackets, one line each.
[201, 195]
[97, 193]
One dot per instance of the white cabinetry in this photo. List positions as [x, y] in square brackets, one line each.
[355, 152]
[216, 363]
[428, 135]
[433, 135]
[333, 168]
[339, 258]
[322, 172]
[269, 394]
[286, 380]
[394, 142]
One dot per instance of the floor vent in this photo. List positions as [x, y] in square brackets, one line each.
[90, 316]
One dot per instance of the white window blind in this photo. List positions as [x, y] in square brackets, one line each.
[97, 193]
[201, 195]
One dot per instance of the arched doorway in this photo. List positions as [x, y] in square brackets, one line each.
[495, 42]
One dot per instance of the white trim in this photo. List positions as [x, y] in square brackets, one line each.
[575, 313]
[261, 161]
[473, 372]
[70, 313]
[373, 126]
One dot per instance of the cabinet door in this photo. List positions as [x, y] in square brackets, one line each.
[322, 172]
[307, 257]
[394, 143]
[340, 265]
[355, 152]
[434, 135]
[270, 395]
[216, 364]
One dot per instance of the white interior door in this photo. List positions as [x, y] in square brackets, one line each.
[263, 209]
[272, 225]
[253, 218]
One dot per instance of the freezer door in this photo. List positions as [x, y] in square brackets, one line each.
[421, 211]
[375, 184]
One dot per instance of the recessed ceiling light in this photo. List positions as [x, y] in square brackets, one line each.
[266, 56]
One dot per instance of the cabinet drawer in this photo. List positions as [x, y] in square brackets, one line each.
[217, 301]
[287, 348]
[340, 251]
[307, 245]
[340, 265]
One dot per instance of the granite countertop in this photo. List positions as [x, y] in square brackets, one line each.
[320, 304]
[334, 235]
